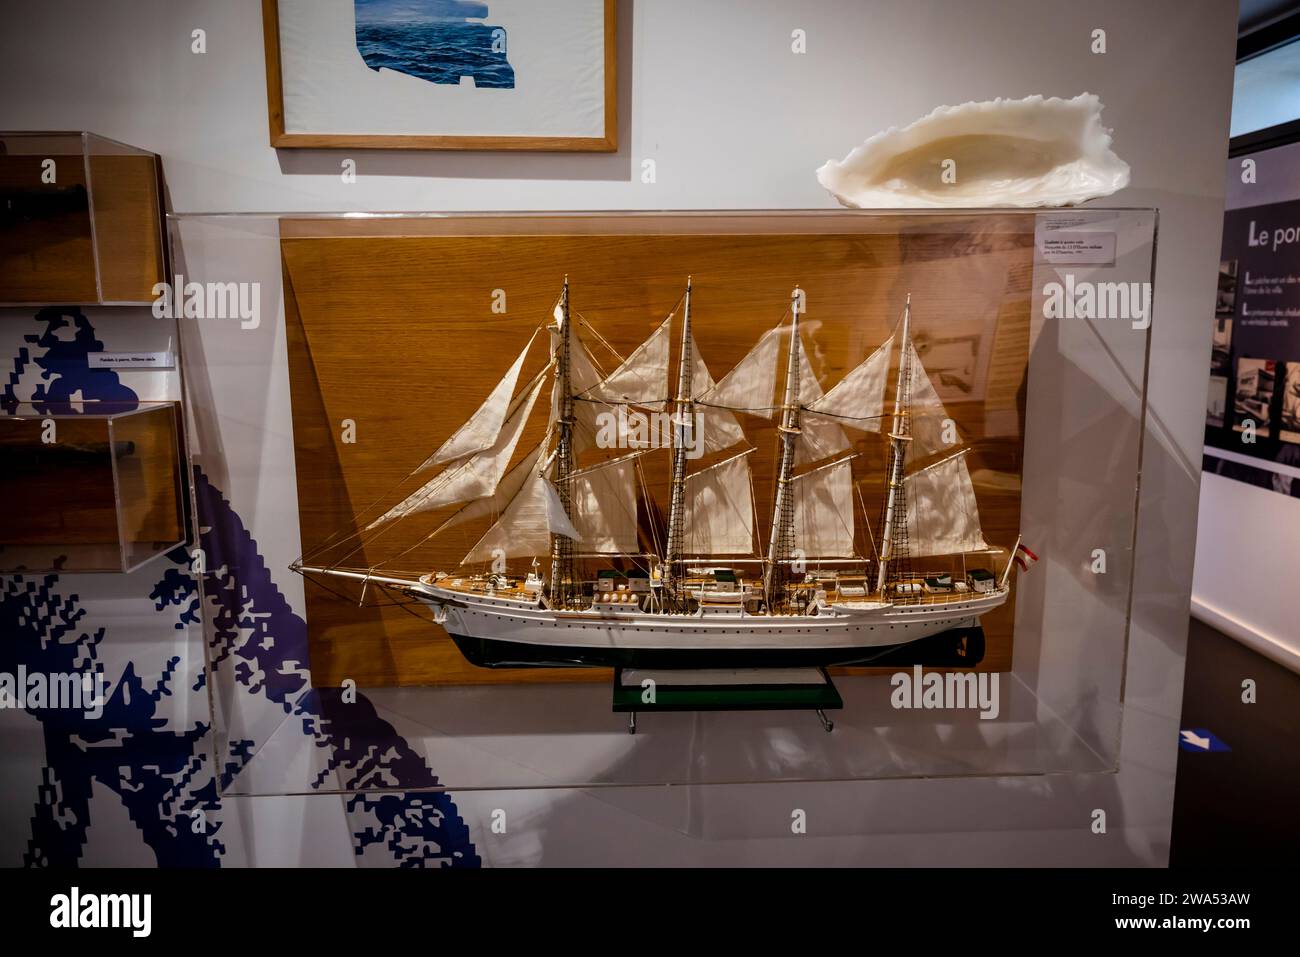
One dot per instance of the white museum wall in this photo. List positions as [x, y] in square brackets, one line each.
[1246, 547]
[732, 119]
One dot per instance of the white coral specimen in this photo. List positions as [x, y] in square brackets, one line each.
[1030, 152]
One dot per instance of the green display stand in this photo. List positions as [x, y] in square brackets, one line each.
[756, 689]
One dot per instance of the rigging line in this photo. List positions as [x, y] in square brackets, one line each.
[943, 461]
[645, 491]
[335, 537]
[731, 559]
[452, 517]
[621, 360]
[753, 506]
[412, 573]
[600, 369]
[605, 342]
[452, 467]
[822, 468]
[338, 537]
[351, 601]
[532, 390]
[749, 409]
[718, 465]
[780, 330]
[871, 536]
[601, 340]
[628, 555]
[646, 404]
[846, 418]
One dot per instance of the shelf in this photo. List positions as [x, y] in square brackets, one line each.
[92, 491]
[80, 220]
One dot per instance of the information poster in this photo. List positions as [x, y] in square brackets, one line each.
[1253, 410]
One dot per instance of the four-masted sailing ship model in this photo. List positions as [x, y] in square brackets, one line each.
[702, 595]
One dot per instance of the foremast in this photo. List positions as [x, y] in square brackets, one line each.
[780, 547]
[683, 418]
[893, 533]
[562, 545]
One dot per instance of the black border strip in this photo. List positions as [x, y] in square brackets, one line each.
[1271, 137]
[1269, 37]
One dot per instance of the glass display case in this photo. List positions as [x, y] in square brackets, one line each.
[82, 221]
[957, 418]
[110, 476]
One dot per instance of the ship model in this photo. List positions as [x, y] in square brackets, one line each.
[566, 576]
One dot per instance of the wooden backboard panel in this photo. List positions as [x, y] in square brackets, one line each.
[393, 329]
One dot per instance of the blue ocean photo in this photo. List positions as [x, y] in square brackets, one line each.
[436, 40]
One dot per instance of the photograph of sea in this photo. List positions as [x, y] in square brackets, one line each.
[441, 41]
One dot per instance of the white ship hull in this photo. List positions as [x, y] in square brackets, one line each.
[495, 631]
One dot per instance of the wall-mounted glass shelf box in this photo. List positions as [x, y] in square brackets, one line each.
[99, 490]
[80, 220]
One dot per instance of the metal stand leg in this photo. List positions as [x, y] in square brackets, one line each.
[631, 722]
[827, 723]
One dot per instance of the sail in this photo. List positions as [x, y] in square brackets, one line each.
[604, 506]
[926, 410]
[720, 428]
[859, 397]
[507, 489]
[483, 427]
[642, 379]
[720, 509]
[583, 376]
[751, 385]
[823, 511]
[942, 517]
[470, 478]
[525, 527]
[819, 438]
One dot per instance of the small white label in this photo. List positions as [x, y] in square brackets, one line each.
[1075, 248]
[131, 360]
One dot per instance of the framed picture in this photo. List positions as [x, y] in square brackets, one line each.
[441, 74]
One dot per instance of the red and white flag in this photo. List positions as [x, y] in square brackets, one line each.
[1024, 557]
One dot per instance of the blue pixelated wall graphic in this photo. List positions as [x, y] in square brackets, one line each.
[58, 356]
[162, 773]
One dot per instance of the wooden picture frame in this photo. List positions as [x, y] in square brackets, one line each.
[282, 139]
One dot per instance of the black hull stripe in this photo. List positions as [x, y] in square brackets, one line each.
[958, 648]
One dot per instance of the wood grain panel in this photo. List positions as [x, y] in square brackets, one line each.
[397, 334]
[128, 225]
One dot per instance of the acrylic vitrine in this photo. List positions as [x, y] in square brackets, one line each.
[95, 488]
[82, 222]
[362, 364]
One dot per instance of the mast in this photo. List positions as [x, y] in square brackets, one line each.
[781, 544]
[683, 413]
[893, 540]
[562, 546]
